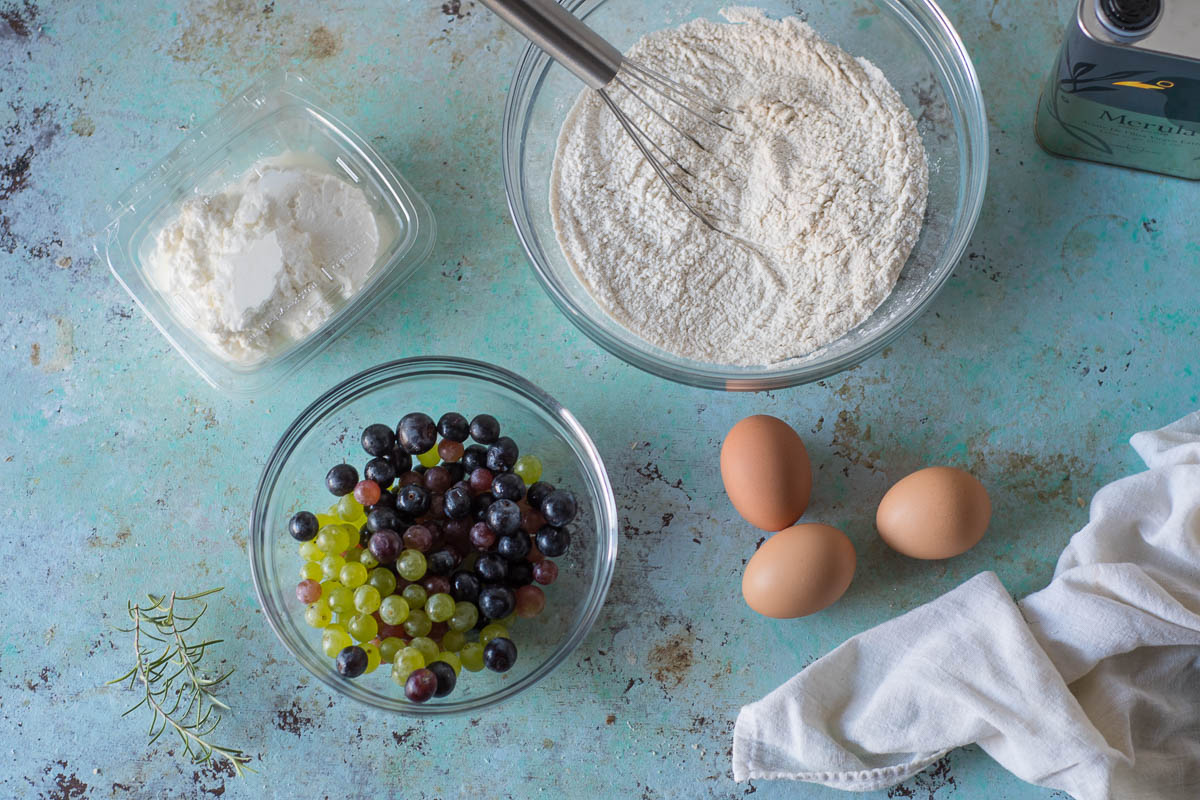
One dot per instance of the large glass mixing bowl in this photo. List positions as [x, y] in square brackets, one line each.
[919, 51]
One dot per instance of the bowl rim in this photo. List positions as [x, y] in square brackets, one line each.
[440, 366]
[959, 71]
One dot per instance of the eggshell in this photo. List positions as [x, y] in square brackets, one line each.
[766, 472]
[799, 571]
[937, 512]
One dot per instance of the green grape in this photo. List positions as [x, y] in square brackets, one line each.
[408, 660]
[348, 508]
[363, 627]
[353, 575]
[492, 631]
[418, 623]
[351, 531]
[411, 565]
[334, 639]
[453, 640]
[342, 618]
[439, 607]
[383, 580]
[368, 560]
[472, 656]
[310, 552]
[373, 656]
[452, 659]
[415, 595]
[389, 647]
[353, 555]
[318, 614]
[328, 539]
[427, 646]
[332, 566]
[327, 587]
[508, 621]
[464, 618]
[393, 609]
[327, 519]
[341, 600]
[311, 571]
[366, 599]
[430, 457]
[529, 469]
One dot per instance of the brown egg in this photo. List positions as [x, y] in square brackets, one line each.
[937, 512]
[799, 571]
[766, 472]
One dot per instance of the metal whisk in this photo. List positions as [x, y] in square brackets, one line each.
[602, 67]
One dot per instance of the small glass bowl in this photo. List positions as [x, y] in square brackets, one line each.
[911, 41]
[278, 114]
[327, 433]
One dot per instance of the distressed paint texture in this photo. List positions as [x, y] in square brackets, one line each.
[1070, 325]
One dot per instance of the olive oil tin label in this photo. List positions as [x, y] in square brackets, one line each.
[1130, 98]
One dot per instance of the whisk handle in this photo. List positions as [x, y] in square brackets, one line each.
[563, 36]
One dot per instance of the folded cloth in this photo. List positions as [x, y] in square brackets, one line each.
[1090, 686]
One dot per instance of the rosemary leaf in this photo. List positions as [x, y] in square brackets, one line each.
[174, 688]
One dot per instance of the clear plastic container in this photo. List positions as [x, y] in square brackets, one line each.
[277, 116]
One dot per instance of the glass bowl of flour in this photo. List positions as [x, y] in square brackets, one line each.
[263, 236]
[848, 185]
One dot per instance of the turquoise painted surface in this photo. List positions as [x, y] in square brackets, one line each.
[1070, 325]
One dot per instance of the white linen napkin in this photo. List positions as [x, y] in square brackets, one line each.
[1091, 685]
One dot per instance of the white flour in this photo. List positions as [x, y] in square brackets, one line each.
[266, 261]
[824, 173]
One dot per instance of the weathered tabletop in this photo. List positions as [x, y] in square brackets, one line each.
[1069, 326]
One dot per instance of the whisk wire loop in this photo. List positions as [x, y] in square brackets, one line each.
[661, 117]
[640, 139]
[663, 85]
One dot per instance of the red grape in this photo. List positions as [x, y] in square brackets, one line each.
[308, 591]
[418, 537]
[397, 631]
[532, 521]
[420, 686]
[481, 480]
[367, 493]
[436, 584]
[530, 601]
[437, 479]
[545, 572]
[437, 505]
[449, 450]
[482, 537]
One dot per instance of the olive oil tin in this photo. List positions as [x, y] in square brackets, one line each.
[1126, 87]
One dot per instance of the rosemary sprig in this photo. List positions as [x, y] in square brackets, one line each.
[180, 697]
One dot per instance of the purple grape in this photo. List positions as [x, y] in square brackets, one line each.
[559, 508]
[351, 661]
[385, 545]
[422, 684]
[446, 678]
[504, 517]
[418, 537]
[303, 526]
[416, 433]
[499, 654]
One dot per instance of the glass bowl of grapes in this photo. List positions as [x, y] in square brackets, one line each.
[433, 535]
